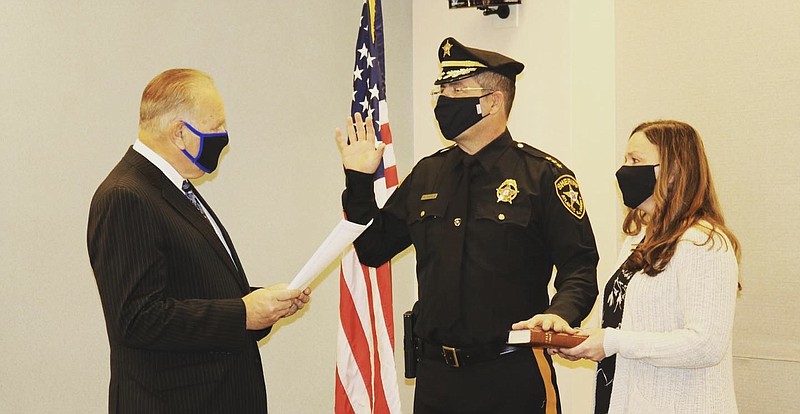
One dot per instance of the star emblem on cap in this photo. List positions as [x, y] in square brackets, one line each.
[446, 48]
[457, 61]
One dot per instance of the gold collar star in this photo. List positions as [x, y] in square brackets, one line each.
[446, 48]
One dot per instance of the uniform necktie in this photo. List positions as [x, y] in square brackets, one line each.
[188, 189]
[449, 281]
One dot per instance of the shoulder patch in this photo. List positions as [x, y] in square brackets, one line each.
[568, 192]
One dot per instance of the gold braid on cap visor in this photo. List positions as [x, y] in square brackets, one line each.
[464, 67]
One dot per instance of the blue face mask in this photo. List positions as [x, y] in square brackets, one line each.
[211, 146]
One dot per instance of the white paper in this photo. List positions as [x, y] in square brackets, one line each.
[340, 237]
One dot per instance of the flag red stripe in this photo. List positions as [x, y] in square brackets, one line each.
[342, 402]
[356, 337]
[376, 374]
[379, 399]
[390, 174]
[381, 406]
[386, 134]
[385, 288]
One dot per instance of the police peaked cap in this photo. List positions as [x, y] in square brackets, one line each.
[460, 62]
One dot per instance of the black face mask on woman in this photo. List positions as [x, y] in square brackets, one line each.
[456, 115]
[637, 183]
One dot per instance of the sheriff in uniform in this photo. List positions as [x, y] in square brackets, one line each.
[489, 218]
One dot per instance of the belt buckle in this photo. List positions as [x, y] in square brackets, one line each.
[450, 356]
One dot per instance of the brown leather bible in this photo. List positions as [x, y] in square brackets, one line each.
[538, 338]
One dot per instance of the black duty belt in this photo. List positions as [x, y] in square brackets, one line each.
[460, 357]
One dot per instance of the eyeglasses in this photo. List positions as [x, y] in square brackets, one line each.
[456, 91]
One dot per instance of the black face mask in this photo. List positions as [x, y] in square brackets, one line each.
[456, 115]
[637, 183]
[211, 146]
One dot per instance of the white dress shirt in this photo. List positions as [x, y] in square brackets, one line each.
[177, 179]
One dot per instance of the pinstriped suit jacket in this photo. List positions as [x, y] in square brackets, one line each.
[171, 296]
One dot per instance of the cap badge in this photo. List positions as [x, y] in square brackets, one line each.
[446, 48]
[507, 191]
[568, 192]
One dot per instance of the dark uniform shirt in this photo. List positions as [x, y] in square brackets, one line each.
[487, 230]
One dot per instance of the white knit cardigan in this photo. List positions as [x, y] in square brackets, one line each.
[674, 344]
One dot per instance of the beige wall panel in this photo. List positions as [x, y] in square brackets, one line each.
[753, 397]
[732, 70]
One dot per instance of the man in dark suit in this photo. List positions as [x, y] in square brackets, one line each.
[182, 321]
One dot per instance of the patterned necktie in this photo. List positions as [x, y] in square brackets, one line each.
[189, 190]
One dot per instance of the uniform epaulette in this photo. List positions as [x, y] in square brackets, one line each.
[539, 154]
[441, 151]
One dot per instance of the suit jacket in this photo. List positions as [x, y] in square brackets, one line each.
[171, 296]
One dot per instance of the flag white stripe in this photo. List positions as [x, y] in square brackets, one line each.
[383, 112]
[358, 291]
[350, 376]
[388, 157]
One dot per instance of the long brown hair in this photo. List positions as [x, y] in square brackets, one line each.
[684, 197]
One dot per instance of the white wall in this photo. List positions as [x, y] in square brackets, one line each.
[564, 106]
[732, 70]
[72, 77]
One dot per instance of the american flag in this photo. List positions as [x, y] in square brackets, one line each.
[366, 378]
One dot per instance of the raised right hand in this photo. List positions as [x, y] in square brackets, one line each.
[265, 306]
[358, 149]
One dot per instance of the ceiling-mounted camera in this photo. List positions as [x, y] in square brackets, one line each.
[488, 7]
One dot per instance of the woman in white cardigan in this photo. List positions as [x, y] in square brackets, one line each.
[665, 345]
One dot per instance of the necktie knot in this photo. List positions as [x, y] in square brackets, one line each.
[188, 189]
[472, 166]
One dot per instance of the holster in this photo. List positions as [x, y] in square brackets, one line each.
[410, 345]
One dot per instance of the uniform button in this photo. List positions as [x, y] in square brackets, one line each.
[457, 221]
[422, 213]
[519, 145]
[501, 216]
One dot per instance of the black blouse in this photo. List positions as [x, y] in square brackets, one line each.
[613, 305]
